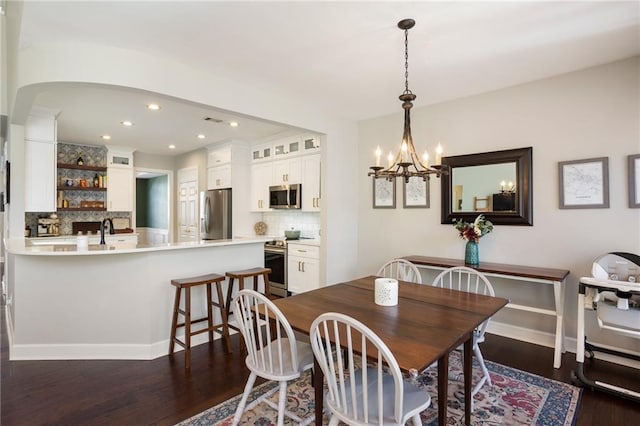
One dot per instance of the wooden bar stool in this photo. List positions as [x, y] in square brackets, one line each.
[222, 329]
[254, 273]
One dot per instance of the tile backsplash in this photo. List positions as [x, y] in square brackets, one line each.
[308, 223]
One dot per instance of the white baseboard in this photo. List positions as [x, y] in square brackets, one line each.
[98, 351]
[548, 339]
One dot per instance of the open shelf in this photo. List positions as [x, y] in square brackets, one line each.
[82, 209]
[80, 188]
[76, 167]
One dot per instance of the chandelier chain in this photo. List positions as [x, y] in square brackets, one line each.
[406, 62]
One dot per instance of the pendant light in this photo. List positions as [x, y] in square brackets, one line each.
[407, 163]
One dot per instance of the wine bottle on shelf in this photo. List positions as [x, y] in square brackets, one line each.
[96, 181]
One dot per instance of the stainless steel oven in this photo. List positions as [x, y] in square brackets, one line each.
[275, 258]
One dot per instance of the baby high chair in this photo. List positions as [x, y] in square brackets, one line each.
[613, 291]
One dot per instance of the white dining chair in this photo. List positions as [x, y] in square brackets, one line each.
[362, 393]
[463, 278]
[400, 269]
[272, 352]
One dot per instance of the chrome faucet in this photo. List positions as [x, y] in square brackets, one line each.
[111, 230]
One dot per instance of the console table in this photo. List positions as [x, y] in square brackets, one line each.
[549, 276]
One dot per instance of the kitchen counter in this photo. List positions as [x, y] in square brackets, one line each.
[108, 302]
[66, 246]
[306, 242]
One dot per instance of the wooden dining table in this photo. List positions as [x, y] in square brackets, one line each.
[424, 327]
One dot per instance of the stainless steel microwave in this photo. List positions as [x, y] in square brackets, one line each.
[285, 196]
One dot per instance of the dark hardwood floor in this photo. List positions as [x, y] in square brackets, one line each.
[161, 392]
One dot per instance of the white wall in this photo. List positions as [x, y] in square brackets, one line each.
[585, 114]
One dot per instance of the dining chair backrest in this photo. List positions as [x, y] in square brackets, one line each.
[401, 269]
[358, 392]
[271, 350]
[463, 278]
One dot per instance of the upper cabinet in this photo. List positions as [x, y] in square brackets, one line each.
[226, 166]
[310, 144]
[311, 187]
[286, 147]
[120, 180]
[287, 171]
[121, 157]
[40, 162]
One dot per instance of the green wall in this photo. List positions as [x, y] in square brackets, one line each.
[152, 203]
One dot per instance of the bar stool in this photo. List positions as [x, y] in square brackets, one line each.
[254, 273]
[222, 329]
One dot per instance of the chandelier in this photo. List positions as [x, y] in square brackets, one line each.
[406, 162]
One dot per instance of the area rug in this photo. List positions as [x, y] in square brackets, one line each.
[516, 398]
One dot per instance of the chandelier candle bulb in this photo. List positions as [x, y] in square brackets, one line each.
[438, 155]
[390, 158]
[502, 184]
[378, 155]
[425, 158]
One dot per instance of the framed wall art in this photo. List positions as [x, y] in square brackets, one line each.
[384, 193]
[415, 193]
[634, 181]
[584, 184]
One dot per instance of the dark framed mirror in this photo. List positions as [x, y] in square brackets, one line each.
[496, 184]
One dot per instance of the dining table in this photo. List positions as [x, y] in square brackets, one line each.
[425, 326]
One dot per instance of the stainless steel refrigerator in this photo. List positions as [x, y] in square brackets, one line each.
[215, 214]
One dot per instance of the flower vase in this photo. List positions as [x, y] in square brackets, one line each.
[471, 254]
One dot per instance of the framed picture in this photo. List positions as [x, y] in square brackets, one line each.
[584, 184]
[634, 181]
[384, 193]
[415, 194]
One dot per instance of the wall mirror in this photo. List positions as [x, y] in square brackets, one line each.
[496, 184]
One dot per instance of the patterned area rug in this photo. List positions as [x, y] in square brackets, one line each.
[516, 398]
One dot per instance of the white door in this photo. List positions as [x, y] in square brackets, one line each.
[187, 205]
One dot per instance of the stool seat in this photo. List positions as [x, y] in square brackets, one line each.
[222, 329]
[199, 280]
[241, 276]
[246, 273]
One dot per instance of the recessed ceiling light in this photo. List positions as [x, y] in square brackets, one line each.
[172, 147]
[233, 124]
[153, 107]
[127, 123]
[201, 136]
[106, 137]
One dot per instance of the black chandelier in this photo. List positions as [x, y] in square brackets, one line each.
[407, 163]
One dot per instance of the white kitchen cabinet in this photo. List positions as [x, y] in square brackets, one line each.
[261, 175]
[40, 176]
[120, 184]
[311, 183]
[219, 155]
[261, 152]
[219, 177]
[310, 144]
[119, 157]
[287, 171]
[303, 267]
[40, 127]
[287, 147]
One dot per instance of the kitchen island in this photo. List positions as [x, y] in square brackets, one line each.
[113, 301]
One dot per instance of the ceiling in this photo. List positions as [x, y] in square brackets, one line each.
[346, 57]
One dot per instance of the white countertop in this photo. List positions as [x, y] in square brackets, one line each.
[306, 242]
[21, 246]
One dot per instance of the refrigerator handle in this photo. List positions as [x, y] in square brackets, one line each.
[207, 214]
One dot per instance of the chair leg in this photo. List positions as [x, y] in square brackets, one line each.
[209, 313]
[416, 420]
[187, 328]
[282, 399]
[485, 372]
[243, 402]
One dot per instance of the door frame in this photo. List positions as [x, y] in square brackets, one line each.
[170, 196]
